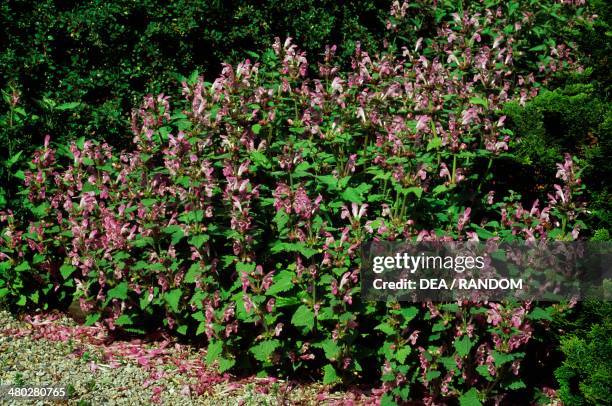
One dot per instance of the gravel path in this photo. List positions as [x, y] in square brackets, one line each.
[55, 351]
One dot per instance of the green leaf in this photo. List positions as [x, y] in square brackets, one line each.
[355, 195]
[123, 320]
[66, 270]
[92, 318]
[264, 349]
[330, 180]
[403, 353]
[281, 218]
[537, 48]
[260, 159]
[13, 159]
[501, 358]
[385, 328]
[387, 400]
[480, 101]
[303, 317]
[330, 376]
[198, 240]
[439, 189]
[68, 106]
[283, 281]
[148, 202]
[173, 297]
[470, 398]
[214, 350]
[463, 346]
[118, 292]
[256, 128]
[434, 143]
[225, 364]
[193, 273]
[24, 266]
[331, 349]
[414, 189]
[518, 384]
[484, 371]
[539, 314]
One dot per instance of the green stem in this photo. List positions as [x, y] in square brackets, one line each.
[484, 178]
[453, 174]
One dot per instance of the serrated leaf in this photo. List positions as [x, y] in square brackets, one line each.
[225, 364]
[24, 266]
[148, 202]
[355, 195]
[281, 218]
[68, 106]
[439, 189]
[123, 320]
[539, 314]
[518, 384]
[118, 292]
[500, 358]
[198, 240]
[484, 371]
[463, 346]
[173, 297]
[417, 191]
[403, 353]
[330, 376]
[264, 349]
[387, 399]
[303, 317]
[470, 398]
[66, 270]
[214, 350]
[92, 318]
[331, 349]
[282, 282]
[385, 328]
[480, 101]
[193, 273]
[434, 143]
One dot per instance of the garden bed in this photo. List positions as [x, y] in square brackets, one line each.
[51, 349]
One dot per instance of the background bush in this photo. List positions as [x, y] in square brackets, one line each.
[108, 54]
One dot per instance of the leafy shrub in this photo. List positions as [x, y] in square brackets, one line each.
[238, 217]
[586, 372]
[573, 120]
[108, 54]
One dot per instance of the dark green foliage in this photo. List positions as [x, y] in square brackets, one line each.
[585, 377]
[108, 54]
[574, 119]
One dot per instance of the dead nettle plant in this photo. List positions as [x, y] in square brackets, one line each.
[238, 216]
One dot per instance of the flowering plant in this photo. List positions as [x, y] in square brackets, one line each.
[238, 218]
